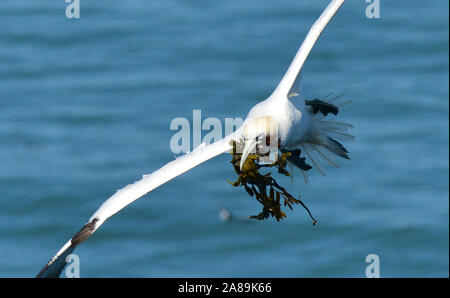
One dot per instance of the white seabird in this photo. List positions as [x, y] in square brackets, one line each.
[298, 125]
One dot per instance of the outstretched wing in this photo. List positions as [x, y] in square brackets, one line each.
[131, 193]
[289, 84]
[297, 86]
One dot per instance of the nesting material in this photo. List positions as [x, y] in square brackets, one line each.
[264, 187]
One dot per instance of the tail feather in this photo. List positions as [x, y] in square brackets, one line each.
[335, 125]
[325, 157]
[335, 147]
[344, 103]
[336, 98]
[337, 129]
[324, 133]
[342, 136]
[315, 161]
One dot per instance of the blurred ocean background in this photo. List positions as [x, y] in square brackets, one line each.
[85, 109]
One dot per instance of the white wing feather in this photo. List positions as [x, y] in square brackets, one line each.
[132, 192]
[288, 83]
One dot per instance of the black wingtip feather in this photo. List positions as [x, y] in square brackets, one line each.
[322, 106]
[84, 233]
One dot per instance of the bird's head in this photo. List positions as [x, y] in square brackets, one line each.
[260, 135]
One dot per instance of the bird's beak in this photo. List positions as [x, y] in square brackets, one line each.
[249, 147]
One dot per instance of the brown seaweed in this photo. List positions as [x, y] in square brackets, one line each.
[264, 187]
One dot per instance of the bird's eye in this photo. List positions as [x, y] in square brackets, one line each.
[260, 137]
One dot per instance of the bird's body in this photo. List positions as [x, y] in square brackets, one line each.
[296, 126]
[284, 114]
[291, 121]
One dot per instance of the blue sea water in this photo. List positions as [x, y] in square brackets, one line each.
[86, 105]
